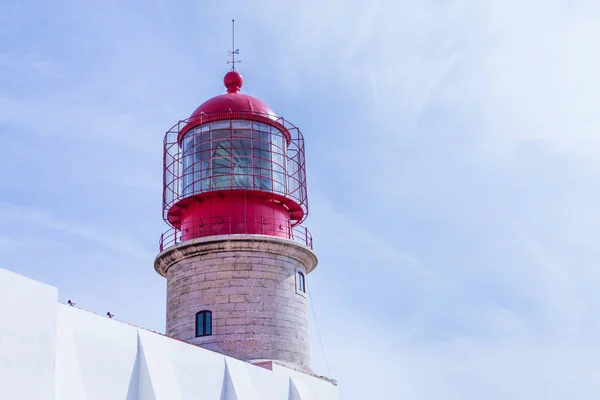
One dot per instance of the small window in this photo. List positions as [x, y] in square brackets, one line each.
[203, 323]
[301, 281]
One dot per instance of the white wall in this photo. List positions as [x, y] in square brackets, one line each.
[100, 358]
[27, 337]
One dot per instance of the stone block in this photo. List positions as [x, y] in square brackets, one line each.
[221, 299]
[240, 274]
[237, 298]
[224, 275]
[211, 276]
[230, 290]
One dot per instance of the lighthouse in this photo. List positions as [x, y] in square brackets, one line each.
[236, 256]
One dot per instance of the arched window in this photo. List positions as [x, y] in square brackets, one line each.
[301, 282]
[203, 323]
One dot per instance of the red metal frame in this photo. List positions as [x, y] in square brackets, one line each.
[284, 187]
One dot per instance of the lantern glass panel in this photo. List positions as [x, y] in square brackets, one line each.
[234, 154]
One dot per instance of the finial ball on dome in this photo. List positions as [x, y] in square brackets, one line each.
[233, 81]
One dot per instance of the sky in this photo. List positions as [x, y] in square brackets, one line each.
[451, 159]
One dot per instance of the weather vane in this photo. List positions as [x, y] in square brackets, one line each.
[233, 51]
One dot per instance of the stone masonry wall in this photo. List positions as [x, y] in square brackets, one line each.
[249, 284]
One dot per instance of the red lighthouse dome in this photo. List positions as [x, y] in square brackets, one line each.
[231, 102]
[234, 167]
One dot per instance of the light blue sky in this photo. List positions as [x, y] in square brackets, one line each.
[452, 168]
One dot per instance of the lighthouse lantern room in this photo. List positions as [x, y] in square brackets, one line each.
[234, 167]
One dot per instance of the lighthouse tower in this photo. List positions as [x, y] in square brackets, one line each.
[236, 256]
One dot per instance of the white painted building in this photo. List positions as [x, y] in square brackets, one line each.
[51, 351]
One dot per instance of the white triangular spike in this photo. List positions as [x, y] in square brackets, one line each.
[160, 371]
[299, 390]
[242, 386]
[144, 390]
[228, 391]
[134, 380]
[293, 395]
[197, 371]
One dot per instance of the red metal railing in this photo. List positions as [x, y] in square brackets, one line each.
[226, 225]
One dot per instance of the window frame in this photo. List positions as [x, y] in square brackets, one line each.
[301, 282]
[203, 314]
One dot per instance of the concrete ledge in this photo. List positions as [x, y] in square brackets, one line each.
[232, 243]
